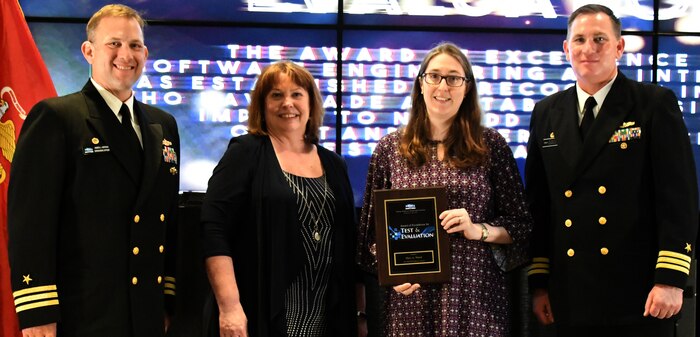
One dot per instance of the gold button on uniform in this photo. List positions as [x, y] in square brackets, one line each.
[161, 248]
[137, 218]
[95, 141]
[602, 190]
[623, 145]
[567, 223]
[162, 217]
[602, 220]
[568, 193]
[135, 250]
[570, 252]
[134, 280]
[160, 279]
[604, 251]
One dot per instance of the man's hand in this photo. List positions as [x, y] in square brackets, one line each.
[541, 307]
[166, 322]
[664, 301]
[48, 330]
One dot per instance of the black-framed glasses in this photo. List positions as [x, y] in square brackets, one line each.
[451, 80]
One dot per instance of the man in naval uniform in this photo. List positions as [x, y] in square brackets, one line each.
[93, 197]
[612, 187]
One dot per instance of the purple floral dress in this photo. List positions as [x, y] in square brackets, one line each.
[475, 302]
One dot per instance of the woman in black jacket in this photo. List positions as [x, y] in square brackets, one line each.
[278, 222]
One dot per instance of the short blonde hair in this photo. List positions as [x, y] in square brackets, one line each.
[111, 11]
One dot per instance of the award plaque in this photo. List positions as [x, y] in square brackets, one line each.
[412, 246]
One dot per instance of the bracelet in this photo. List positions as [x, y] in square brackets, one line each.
[484, 232]
[361, 314]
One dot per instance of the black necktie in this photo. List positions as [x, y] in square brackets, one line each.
[133, 139]
[135, 152]
[588, 117]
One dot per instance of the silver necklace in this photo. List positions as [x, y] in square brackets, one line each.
[315, 219]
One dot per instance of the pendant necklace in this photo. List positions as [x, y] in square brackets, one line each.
[315, 219]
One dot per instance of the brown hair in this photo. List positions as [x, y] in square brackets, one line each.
[111, 11]
[595, 9]
[464, 145]
[266, 81]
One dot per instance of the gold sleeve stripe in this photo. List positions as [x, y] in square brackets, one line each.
[681, 263]
[169, 286]
[36, 305]
[537, 271]
[40, 289]
[539, 265]
[32, 298]
[169, 292]
[169, 279]
[540, 259]
[674, 267]
[674, 254]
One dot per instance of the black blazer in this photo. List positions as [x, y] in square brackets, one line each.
[614, 214]
[250, 214]
[84, 236]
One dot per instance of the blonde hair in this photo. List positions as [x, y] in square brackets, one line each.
[112, 11]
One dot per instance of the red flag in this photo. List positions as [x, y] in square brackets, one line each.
[24, 81]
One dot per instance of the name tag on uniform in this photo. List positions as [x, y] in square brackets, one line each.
[95, 149]
[549, 142]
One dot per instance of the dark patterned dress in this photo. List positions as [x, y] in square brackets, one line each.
[475, 302]
[305, 300]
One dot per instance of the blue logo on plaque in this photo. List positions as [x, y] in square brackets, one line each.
[395, 233]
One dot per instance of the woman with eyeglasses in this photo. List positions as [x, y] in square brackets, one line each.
[445, 144]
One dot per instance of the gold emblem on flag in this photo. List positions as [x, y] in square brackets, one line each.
[7, 128]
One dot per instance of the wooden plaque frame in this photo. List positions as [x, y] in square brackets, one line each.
[412, 246]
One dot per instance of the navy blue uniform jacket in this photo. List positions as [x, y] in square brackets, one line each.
[616, 213]
[88, 243]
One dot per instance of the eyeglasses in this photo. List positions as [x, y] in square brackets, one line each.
[451, 80]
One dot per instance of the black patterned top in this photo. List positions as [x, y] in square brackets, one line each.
[305, 300]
